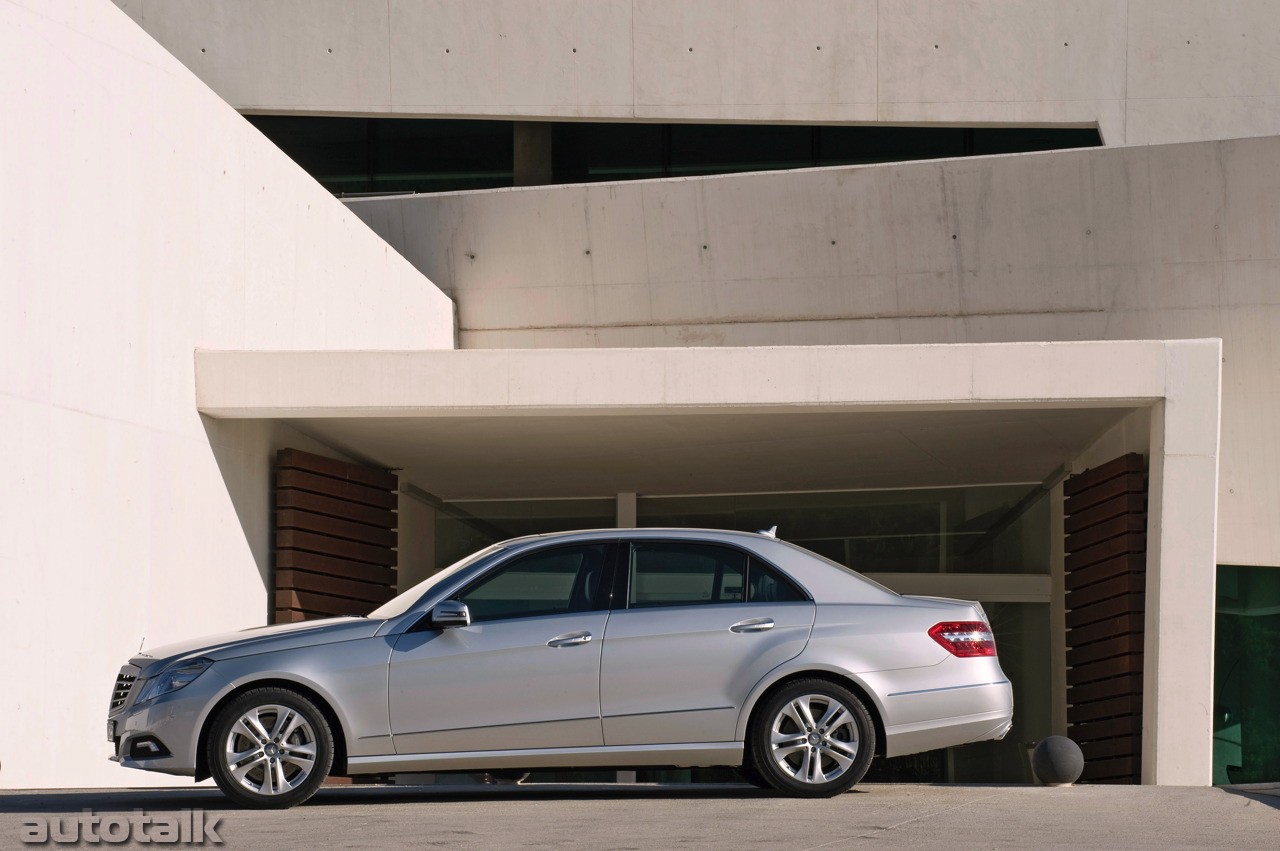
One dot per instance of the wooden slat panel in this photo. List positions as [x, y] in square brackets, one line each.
[1098, 650]
[294, 539]
[1123, 583]
[1101, 571]
[298, 460]
[1121, 769]
[1094, 476]
[1108, 729]
[1102, 630]
[1113, 528]
[1107, 668]
[290, 518]
[1124, 545]
[314, 502]
[298, 580]
[320, 603]
[1115, 607]
[1104, 748]
[1129, 704]
[1128, 503]
[316, 563]
[335, 488]
[1110, 490]
[1104, 689]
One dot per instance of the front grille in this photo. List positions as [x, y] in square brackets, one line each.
[124, 685]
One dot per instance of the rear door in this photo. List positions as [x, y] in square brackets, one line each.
[702, 624]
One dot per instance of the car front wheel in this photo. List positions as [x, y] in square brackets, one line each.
[269, 748]
[812, 739]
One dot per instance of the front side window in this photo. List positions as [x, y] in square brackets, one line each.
[668, 573]
[557, 581]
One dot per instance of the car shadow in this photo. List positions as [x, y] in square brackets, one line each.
[1268, 795]
[164, 800]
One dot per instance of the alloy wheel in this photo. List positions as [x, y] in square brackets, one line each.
[271, 749]
[814, 739]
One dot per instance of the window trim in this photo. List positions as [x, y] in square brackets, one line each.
[622, 573]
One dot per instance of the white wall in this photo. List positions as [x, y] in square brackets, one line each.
[1146, 71]
[142, 218]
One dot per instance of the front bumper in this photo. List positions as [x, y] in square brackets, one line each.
[172, 720]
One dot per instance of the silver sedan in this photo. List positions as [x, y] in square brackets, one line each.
[617, 648]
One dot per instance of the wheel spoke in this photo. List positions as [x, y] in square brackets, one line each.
[254, 724]
[239, 771]
[815, 767]
[277, 770]
[836, 716]
[843, 761]
[301, 760]
[286, 721]
[847, 748]
[801, 708]
[307, 749]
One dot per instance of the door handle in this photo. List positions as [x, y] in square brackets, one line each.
[752, 625]
[570, 639]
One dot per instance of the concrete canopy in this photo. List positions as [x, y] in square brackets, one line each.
[669, 406]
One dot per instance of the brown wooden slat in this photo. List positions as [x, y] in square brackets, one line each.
[1128, 704]
[290, 518]
[1123, 768]
[298, 460]
[1109, 729]
[1105, 689]
[335, 489]
[1107, 668]
[1123, 545]
[298, 580]
[320, 603]
[1098, 650]
[1100, 749]
[316, 563]
[1104, 570]
[323, 544]
[1102, 630]
[314, 502]
[289, 616]
[1107, 609]
[1113, 528]
[1096, 496]
[1094, 476]
[1123, 583]
[1129, 503]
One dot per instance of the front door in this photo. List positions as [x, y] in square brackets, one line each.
[703, 624]
[524, 674]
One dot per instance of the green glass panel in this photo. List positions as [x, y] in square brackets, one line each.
[1246, 695]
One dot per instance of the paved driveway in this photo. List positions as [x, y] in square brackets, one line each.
[734, 817]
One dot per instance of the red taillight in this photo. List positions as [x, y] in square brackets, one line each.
[964, 638]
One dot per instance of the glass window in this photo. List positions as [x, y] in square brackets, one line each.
[1246, 672]
[680, 574]
[547, 582]
[766, 585]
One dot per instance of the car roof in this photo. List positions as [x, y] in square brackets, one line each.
[645, 531]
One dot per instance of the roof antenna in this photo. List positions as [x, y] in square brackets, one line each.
[771, 532]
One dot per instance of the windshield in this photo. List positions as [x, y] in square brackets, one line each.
[399, 605]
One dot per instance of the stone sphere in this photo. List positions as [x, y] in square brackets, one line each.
[1057, 761]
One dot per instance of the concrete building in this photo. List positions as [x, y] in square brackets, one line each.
[977, 297]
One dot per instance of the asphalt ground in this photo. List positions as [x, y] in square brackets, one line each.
[733, 817]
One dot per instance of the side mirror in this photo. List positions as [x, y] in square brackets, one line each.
[450, 613]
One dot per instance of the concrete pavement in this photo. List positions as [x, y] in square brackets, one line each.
[736, 817]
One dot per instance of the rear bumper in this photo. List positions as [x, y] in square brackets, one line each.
[945, 717]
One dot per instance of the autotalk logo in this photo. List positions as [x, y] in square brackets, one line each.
[183, 827]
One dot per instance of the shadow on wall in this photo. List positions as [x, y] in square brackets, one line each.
[243, 450]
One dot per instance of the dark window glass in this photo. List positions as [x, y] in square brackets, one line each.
[857, 145]
[723, 148]
[679, 574]
[547, 582]
[1246, 674]
[766, 585]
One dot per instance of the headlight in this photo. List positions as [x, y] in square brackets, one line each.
[174, 678]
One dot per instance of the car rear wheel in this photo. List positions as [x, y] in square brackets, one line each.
[270, 748]
[812, 738]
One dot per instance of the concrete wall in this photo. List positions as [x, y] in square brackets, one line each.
[144, 218]
[1128, 243]
[1145, 71]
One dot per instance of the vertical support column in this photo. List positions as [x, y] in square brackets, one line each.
[531, 153]
[1177, 746]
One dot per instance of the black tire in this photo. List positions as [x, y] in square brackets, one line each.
[283, 759]
[821, 742]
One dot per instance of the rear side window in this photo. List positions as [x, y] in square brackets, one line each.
[665, 573]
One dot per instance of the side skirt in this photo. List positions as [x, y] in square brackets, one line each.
[678, 756]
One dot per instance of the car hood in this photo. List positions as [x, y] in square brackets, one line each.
[261, 639]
